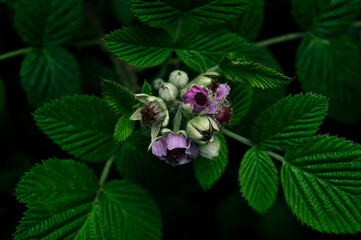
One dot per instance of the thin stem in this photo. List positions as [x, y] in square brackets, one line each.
[14, 53]
[250, 144]
[177, 120]
[282, 38]
[106, 170]
[356, 24]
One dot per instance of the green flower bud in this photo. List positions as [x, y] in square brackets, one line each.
[210, 150]
[201, 129]
[178, 78]
[203, 81]
[157, 83]
[168, 92]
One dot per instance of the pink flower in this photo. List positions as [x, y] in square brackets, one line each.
[198, 97]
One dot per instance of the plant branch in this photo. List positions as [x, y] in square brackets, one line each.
[106, 170]
[14, 53]
[279, 39]
[248, 142]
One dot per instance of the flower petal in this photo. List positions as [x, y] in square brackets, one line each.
[223, 91]
[212, 108]
[176, 141]
[192, 149]
[159, 148]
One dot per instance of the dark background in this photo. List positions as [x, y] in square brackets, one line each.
[188, 212]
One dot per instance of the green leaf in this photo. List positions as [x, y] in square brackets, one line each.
[2, 95]
[119, 98]
[75, 207]
[124, 127]
[80, 125]
[290, 122]
[209, 171]
[249, 23]
[161, 13]
[146, 88]
[256, 74]
[321, 182]
[50, 22]
[263, 56]
[49, 73]
[143, 46]
[241, 97]
[325, 17]
[337, 76]
[140, 46]
[196, 62]
[258, 178]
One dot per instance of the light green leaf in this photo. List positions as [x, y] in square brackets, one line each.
[75, 207]
[146, 88]
[290, 122]
[209, 171]
[49, 73]
[321, 182]
[241, 97]
[338, 77]
[249, 23]
[161, 13]
[80, 125]
[258, 178]
[2, 95]
[48, 22]
[256, 74]
[325, 17]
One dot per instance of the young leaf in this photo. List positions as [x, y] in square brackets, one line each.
[209, 171]
[290, 122]
[50, 22]
[325, 17]
[124, 127]
[75, 207]
[256, 74]
[80, 125]
[241, 97]
[161, 13]
[258, 178]
[321, 182]
[49, 73]
[2, 95]
[337, 78]
[146, 89]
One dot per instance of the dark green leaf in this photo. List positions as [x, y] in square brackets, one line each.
[258, 178]
[256, 74]
[45, 22]
[196, 62]
[209, 171]
[321, 182]
[263, 56]
[337, 77]
[49, 73]
[146, 89]
[2, 95]
[241, 97]
[290, 122]
[122, 12]
[80, 125]
[124, 127]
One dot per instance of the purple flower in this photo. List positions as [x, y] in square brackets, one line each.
[198, 97]
[222, 92]
[175, 149]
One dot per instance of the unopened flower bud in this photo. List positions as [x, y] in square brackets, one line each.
[210, 150]
[157, 83]
[203, 81]
[178, 78]
[168, 92]
[201, 129]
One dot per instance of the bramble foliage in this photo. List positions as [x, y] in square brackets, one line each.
[236, 82]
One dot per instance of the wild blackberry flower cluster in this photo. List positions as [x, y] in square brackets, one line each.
[198, 110]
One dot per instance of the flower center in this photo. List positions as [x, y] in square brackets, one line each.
[214, 86]
[149, 116]
[201, 99]
[224, 115]
[175, 154]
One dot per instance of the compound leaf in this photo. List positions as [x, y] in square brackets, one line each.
[290, 122]
[258, 178]
[321, 182]
[80, 125]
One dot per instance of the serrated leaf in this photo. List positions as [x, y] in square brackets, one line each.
[50, 22]
[256, 74]
[337, 77]
[146, 88]
[325, 17]
[258, 178]
[321, 182]
[241, 97]
[290, 122]
[49, 73]
[75, 207]
[209, 171]
[80, 125]
[161, 13]
[119, 98]
[196, 62]
[264, 56]
[2, 95]
[145, 47]
[249, 23]
[124, 127]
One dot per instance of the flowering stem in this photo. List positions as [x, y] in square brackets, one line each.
[248, 142]
[14, 53]
[279, 39]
